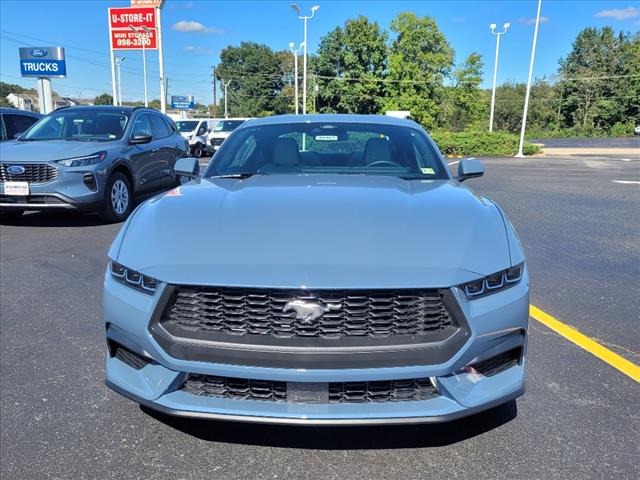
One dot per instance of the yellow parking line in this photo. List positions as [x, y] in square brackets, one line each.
[591, 346]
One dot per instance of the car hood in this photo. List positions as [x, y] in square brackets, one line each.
[48, 150]
[317, 231]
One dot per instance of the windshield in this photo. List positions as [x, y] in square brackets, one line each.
[227, 125]
[187, 125]
[342, 148]
[79, 124]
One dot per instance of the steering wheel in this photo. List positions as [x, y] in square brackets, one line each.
[384, 162]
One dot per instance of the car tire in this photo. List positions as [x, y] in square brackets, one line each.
[118, 199]
[197, 150]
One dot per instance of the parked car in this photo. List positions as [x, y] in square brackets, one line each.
[196, 131]
[637, 130]
[90, 158]
[221, 131]
[326, 269]
[14, 121]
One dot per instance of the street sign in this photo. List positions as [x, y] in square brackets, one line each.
[130, 40]
[147, 3]
[42, 62]
[125, 18]
[181, 102]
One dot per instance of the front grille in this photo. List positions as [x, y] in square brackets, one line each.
[338, 392]
[347, 313]
[499, 363]
[127, 356]
[34, 173]
[217, 141]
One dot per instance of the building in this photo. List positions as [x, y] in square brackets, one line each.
[29, 101]
[24, 101]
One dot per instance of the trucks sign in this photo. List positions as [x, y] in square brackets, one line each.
[181, 102]
[43, 62]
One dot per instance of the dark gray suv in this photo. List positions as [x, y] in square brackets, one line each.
[90, 158]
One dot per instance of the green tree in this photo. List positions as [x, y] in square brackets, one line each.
[599, 79]
[420, 59]
[465, 100]
[255, 77]
[350, 65]
[103, 99]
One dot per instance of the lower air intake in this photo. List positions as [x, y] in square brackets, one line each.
[338, 392]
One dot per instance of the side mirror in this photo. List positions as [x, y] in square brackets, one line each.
[140, 139]
[187, 167]
[469, 169]
[202, 131]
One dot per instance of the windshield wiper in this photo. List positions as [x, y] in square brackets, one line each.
[238, 175]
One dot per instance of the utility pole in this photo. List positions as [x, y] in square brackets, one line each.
[226, 84]
[163, 83]
[113, 78]
[215, 97]
[119, 61]
[495, 69]
[520, 153]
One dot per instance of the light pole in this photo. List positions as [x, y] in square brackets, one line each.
[119, 61]
[226, 84]
[520, 153]
[295, 70]
[314, 9]
[143, 40]
[495, 69]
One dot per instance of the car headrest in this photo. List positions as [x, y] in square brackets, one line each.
[285, 152]
[377, 150]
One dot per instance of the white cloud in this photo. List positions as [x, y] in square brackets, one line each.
[532, 21]
[619, 13]
[199, 50]
[196, 27]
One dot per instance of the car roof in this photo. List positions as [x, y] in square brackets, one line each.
[116, 108]
[333, 118]
[20, 112]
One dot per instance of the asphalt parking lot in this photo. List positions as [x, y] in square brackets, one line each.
[579, 222]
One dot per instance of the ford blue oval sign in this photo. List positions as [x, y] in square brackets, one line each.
[39, 52]
[42, 62]
[16, 169]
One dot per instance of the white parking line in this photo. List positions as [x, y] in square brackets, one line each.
[627, 182]
[625, 159]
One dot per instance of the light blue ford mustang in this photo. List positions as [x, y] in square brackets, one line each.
[326, 269]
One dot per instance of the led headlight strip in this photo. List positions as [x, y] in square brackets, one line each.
[133, 279]
[493, 283]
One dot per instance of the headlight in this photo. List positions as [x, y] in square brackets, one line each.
[493, 283]
[84, 161]
[133, 279]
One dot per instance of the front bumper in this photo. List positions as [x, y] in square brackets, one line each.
[66, 193]
[498, 323]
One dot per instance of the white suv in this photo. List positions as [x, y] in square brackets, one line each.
[195, 131]
[221, 131]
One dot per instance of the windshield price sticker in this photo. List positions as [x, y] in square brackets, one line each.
[326, 138]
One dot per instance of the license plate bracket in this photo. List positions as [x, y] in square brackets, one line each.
[19, 189]
[307, 392]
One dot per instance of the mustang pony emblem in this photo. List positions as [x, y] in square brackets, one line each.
[308, 311]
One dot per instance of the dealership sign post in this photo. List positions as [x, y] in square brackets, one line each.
[137, 28]
[43, 63]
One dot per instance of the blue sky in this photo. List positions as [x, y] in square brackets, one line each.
[196, 31]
